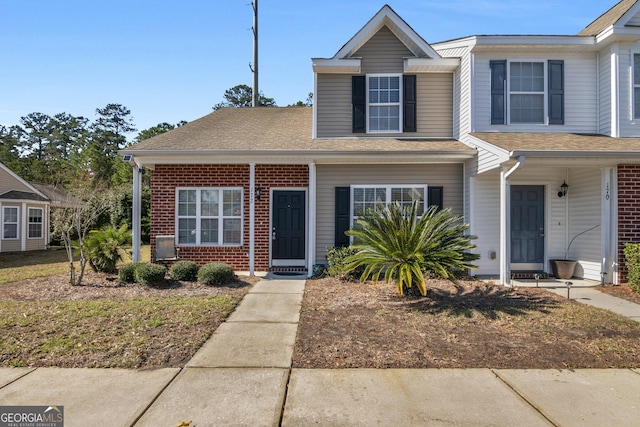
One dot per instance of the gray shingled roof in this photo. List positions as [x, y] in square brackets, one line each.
[22, 195]
[608, 18]
[275, 129]
[560, 142]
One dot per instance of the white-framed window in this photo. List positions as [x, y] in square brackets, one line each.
[35, 223]
[636, 86]
[364, 197]
[527, 92]
[10, 222]
[384, 103]
[209, 216]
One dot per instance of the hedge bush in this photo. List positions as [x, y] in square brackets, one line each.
[149, 274]
[125, 273]
[632, 261]
[184, 270]
[216, 274]
[336, 265]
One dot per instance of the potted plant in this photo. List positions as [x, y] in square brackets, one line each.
[564, 268]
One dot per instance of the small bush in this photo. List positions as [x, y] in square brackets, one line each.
[216, 274]
[126, 273]
[337, 266]
[632, 257]
[149, 274]
[184, 270]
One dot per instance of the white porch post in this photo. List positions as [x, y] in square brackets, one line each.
[252, 217]
[136, 215]
[504, 228]
[311, 251]
[605, 227]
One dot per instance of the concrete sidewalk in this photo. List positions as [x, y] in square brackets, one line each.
[585, 291]
[242, 376]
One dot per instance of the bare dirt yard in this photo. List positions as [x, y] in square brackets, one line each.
[469, 325]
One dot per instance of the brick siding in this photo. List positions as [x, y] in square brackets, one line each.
[628, 212]
[166, 178]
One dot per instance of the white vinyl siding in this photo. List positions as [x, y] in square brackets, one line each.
[604, 121]
[448, 176]
[209, 216]
[580, 99]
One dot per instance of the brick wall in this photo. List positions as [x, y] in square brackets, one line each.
[165, 179]
[628, 212]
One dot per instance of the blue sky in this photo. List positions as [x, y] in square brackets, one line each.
[172, 60]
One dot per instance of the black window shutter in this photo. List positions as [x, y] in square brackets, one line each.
[556, 92]
[498, 97]
[359, 104]
[436, 197]
[409, 100]
[343, 196]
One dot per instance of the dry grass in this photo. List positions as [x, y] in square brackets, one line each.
[28, 265]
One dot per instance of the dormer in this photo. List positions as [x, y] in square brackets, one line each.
[621, 23]
[386, 81]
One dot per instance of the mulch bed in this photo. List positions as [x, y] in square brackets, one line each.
[621, 291]
[469, 325]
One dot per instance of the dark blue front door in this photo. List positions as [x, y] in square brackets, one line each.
[288, 222]
[527, 226]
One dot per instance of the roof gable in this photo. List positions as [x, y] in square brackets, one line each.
[11, 181]
[389, 18]
[619, 16]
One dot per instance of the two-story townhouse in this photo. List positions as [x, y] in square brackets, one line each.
[521, 134]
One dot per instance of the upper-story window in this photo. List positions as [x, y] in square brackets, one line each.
[636, 86]
[527, 92]
[383, 101]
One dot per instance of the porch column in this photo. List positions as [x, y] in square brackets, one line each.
[252, 217]
[605, 227]
[136, 215]
[505, 255]
[311, 251]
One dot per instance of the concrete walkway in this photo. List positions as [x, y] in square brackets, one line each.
[242, 376]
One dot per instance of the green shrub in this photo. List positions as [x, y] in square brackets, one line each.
[216, 274]
[632, 261]
[336, 263]
[149, 274]
[126, 273]
[184, 270]
[104, 248]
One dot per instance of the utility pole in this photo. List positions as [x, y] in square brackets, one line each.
[255, 92]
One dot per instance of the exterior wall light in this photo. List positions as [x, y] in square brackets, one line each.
[258, 193]
[563, 189]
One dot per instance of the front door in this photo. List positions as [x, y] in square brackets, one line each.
[288, 228]
[527, 227]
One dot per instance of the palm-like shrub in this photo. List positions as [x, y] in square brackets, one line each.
[104, 248]
[404, 246]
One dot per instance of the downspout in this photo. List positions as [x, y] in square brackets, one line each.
[505, 220]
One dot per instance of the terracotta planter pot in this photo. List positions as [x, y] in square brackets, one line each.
[563, 268]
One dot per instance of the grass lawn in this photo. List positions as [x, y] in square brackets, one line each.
[27, 265]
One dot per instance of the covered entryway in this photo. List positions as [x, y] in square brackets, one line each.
[527, 227]
[288, 229]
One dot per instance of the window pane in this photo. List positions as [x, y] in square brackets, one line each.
[187, 203]
[232, 203]
[527, 77]
[187, 230]
[10, 231]
[527, 108]
[35, 231]
[11, 214]
[209, 231]
[35, 215]
[209, 202]
[636, 69]
[231, 232]
[636, 100]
